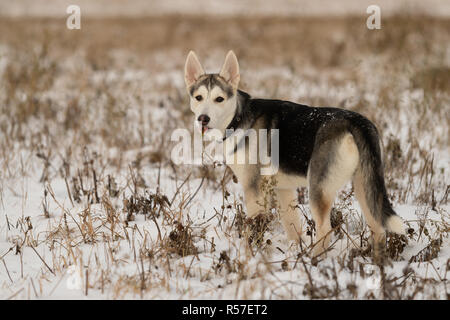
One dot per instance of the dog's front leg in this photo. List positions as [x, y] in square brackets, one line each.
[247, 176]
[289, 215]
[253, 202]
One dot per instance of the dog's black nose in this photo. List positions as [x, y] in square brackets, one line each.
[204, 119]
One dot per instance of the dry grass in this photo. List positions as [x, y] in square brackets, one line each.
[91, 110]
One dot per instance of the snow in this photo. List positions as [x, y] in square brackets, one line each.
[201, 281]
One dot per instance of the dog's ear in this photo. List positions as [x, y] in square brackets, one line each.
[230, 70]
[192, 69]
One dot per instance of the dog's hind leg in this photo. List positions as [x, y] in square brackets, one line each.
[289, 215]
[376, 227]
[320, 205]
[332, 165]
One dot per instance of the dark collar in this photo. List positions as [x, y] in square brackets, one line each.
[242, 100]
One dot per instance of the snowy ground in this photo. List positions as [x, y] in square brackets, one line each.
[92, 207]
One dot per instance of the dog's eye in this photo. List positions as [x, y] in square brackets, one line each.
[219, 99]
[199, 98]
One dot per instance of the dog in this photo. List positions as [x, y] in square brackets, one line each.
[321, 148]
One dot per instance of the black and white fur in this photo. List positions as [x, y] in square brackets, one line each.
[322, 148]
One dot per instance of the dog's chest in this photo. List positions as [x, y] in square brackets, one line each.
[244, 173]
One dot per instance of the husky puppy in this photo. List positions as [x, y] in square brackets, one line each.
[321, 148]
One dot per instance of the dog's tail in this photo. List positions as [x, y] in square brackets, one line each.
[371, 176]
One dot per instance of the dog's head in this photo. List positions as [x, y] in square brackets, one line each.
[212, 96]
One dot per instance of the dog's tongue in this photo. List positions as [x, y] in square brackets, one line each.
[204, 129]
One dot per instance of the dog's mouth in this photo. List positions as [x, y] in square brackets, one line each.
[205, 128]
[202, 127]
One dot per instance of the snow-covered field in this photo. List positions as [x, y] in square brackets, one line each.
[92, 207]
